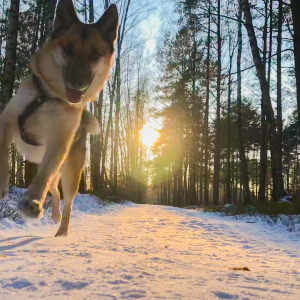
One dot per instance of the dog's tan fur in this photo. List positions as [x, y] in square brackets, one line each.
[55, 123]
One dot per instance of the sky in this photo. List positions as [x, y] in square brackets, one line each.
[161, 18]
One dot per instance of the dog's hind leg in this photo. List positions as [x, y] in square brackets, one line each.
[70, 176]
[55, 199]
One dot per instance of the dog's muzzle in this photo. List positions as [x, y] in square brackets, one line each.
[76, 95]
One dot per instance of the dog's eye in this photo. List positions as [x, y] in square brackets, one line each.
[68, 49]
[94, 55]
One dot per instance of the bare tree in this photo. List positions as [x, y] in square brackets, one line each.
[278, 185]
[206, 129]
[244, 165]
[218, 127]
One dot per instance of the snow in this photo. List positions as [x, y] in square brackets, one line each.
[127, 251]
[286, 199]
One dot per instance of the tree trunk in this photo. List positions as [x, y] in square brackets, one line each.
[96, 150]
[179, 184]
[118, 97]
[245, 177]
[108, 127]
[7, 85]
[206, 136]
[228, 196]
[117, 121]
[288, 163]
[112, 157]
[201, 178]
[192, 190]
[278, 186]
[169, 186]
[185, 198]
[37, 29]
[43, 23]
[295, 5]
[228, 175]
[279, 100]
[264, 124]
[50, 10]
[30, 172]
[95, 139]
[13, 151]
[218, 127]
[175, 189]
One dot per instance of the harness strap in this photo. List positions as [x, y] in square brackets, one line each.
[38, 101]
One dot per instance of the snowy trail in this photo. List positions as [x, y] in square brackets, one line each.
[147, 252]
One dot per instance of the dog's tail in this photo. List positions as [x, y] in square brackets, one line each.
[90, 123]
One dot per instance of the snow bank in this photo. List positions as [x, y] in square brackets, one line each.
[11, 218]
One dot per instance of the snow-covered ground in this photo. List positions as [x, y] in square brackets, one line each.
[149, 252]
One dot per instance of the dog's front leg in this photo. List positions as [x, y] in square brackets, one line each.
[56, 152]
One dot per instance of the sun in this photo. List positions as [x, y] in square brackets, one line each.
[149, 135]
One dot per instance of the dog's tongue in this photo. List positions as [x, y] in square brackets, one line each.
[74, 96]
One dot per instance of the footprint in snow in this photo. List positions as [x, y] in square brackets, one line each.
[18, 284]
[222, 295]
[133, 294]
[69, 285]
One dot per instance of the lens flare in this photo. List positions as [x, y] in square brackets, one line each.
[149, 135]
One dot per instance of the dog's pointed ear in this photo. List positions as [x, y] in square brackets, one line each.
[65, 15]
[108, 24]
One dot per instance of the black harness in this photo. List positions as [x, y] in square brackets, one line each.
[38, 101]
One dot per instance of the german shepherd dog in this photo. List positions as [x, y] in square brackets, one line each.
[46, 118]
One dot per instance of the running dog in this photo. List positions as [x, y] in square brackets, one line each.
[46, 118]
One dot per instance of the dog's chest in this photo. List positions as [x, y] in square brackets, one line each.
[43, 121]
[40, 126]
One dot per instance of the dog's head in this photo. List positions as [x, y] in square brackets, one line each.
[81, 52]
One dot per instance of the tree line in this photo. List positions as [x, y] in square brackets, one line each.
[116, 163]
[228, 74]
[227, 81]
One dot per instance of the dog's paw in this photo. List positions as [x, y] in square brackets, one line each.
[31, 208]
[62, 232]
[56, 216]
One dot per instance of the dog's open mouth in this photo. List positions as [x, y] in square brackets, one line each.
[74, 96]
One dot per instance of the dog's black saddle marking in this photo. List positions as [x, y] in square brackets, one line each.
[38, 101]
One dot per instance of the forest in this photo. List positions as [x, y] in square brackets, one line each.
[202, 105]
